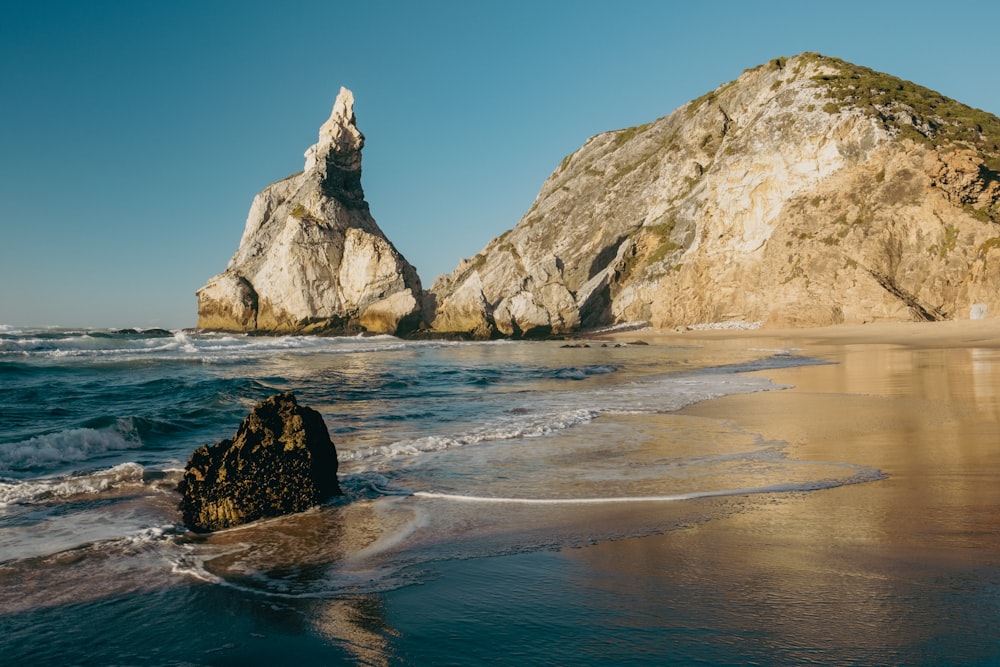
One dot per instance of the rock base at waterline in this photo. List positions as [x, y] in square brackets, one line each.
[280, 461]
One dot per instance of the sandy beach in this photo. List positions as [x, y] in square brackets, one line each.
[904, 570]
[892, 570]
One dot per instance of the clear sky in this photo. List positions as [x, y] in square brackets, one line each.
[134, 134]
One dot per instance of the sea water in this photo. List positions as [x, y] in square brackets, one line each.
[448, 451]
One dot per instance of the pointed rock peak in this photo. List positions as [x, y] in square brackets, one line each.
[339, 133]
[342, 124]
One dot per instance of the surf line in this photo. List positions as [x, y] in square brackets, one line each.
[776, 488]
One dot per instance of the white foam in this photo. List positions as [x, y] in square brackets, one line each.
[728, 324]
[75, 444]
[510, 427]
[149, 535]
[37, 490]
[191, 564]
[618, 328]
[65, 345]
[555, 411]
[574, 373]
[673, 392]
[791, 487]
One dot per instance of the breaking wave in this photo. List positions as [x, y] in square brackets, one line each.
[510, 429]
[44, 451]
[40, 490]
[129, 345]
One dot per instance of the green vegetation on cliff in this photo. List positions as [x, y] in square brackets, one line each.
[916, 112]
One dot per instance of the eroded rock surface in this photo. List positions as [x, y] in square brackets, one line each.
[280, 461]
[809, 191]
[312, 259]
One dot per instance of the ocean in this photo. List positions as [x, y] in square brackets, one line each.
[497, 455]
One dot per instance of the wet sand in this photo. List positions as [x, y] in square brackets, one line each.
[905, 570]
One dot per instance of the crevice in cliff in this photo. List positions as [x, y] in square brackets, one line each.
[727, 121]
[605, 256]
[596, 310]
[919, 310]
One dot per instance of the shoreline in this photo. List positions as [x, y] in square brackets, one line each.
[950, 333]
[885, 388]
[900, 570]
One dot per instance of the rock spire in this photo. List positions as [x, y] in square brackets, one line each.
[312, 259]
[339, 135]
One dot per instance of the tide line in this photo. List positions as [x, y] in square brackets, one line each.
[777, 488]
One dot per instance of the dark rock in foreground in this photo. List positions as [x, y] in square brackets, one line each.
[280, 461]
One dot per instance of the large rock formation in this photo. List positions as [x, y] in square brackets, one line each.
[807, 192]
[312, 258]
[281, 460]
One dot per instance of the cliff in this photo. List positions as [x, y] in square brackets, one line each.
[312, 259]
[809, 191]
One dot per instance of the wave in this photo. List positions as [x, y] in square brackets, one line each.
[624, 327]
[673, 392]
[574, 373]
[860, 477]
[552, 411]
[518, 425]
[41, 490]
[774, 360]
[411, 533]
[78, 444]
[131, 345]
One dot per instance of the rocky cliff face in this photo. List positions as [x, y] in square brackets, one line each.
[807, 192]
[312, 258]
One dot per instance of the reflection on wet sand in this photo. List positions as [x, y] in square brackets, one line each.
[902, 570]
[357, 625]
[884, 573]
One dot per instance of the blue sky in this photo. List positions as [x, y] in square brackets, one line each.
[134, 135]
